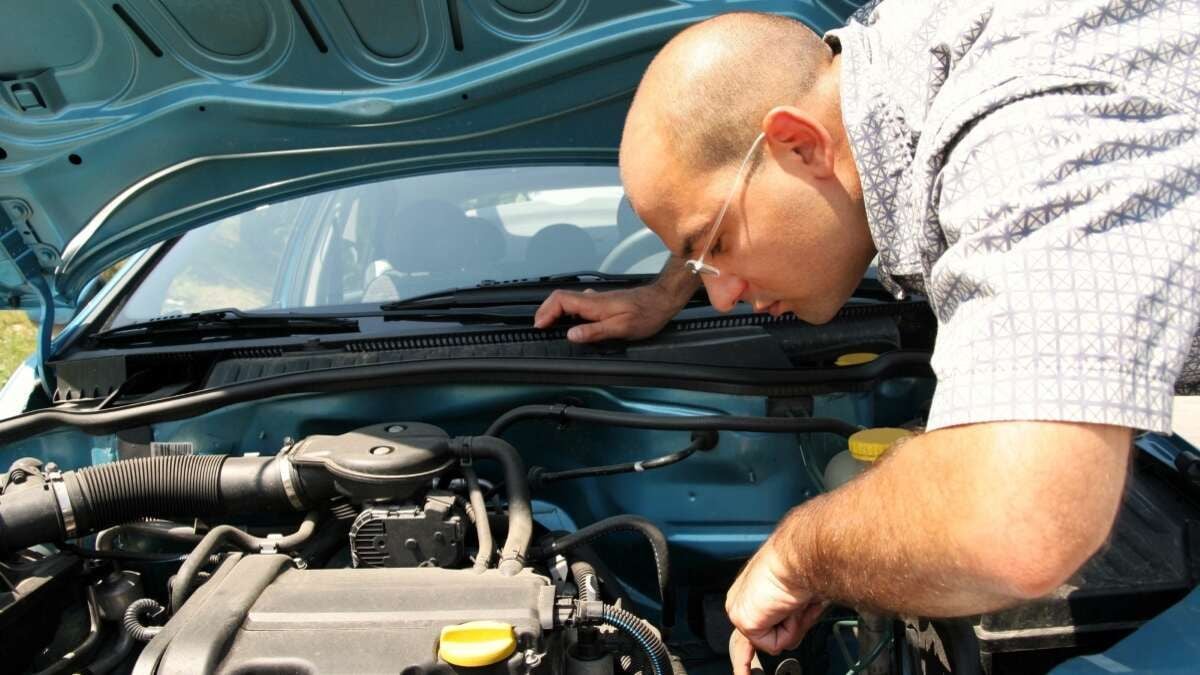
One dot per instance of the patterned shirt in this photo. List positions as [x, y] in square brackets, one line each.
[1033, 168]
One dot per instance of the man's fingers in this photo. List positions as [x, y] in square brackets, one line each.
[810, 616]
[741, 654]
[590, 306]
[553, 307]
[612, 327]
[788, 633]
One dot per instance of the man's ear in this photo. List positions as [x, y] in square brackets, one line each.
[799, 141]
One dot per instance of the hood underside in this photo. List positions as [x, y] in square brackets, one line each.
[125, 124]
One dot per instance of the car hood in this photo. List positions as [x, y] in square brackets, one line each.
[125, 124]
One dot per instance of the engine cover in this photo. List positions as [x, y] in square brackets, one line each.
[258, 614]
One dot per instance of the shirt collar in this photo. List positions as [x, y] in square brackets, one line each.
[883, 145]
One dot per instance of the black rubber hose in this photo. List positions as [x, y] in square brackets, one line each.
[151, 487]
[520, 513]
[108, 661]
[704, 440]
[672, 422]
[631, 625]
[624, 523]
[585, 580]
[69, 663]
[483, 528]
[133, 619]
[104, 554]
[155, 529]
[181, 587]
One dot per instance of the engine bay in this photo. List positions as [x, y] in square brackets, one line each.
[491, 527]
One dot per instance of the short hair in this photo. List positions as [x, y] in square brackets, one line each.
[711, 114]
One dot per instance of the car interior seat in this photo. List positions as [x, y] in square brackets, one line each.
[432, 245]
[561, 247]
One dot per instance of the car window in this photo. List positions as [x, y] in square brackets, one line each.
[399, 238]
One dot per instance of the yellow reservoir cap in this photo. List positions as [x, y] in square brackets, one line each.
[867, 445]
[855, 359]
[477, 643]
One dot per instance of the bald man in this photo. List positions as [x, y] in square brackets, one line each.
[1030, 167]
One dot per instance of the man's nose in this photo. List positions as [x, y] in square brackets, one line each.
[724, 291]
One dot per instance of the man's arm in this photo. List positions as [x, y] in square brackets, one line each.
[958, 521]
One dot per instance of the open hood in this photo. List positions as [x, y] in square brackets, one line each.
[124, 124]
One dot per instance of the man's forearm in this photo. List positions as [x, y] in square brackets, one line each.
[956, 523]
[677, 281]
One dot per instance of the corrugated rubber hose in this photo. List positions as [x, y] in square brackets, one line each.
[133, 619]
[631, 625]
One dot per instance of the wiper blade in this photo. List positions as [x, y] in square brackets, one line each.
[227, 322]
[520, 314]
[516, 291]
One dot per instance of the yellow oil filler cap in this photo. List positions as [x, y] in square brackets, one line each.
[855, 359]
[477, 643]
[867, 445]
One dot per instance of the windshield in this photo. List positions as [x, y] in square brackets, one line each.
[399, 238]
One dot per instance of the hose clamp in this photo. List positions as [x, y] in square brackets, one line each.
[289, 485]
[59, 488]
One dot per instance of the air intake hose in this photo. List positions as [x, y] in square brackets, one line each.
[60, 505]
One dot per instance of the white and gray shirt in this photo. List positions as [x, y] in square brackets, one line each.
[1033, 168]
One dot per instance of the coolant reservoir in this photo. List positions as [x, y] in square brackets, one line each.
[866, 446]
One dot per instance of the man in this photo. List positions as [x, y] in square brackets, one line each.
[1033, 168]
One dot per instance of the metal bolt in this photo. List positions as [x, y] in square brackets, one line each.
[439, 537]
[411, 544]
[381, 450]
[20, 210]
[395, 428]
[51, 467]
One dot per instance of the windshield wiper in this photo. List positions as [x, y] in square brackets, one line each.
[516, 292]
[227, 323]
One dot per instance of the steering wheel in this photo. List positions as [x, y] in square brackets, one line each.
[632, 250]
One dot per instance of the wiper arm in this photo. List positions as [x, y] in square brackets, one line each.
[517, 291]
[231, 322]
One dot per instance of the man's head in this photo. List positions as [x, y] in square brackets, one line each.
[795, 236]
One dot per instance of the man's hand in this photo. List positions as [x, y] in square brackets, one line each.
[630, 314]
[767, 613]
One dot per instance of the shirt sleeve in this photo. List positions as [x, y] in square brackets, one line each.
[1068, 289]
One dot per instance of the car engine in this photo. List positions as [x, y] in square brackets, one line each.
[411, 600]
[420, 551]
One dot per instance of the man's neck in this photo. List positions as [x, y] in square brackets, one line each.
[829, 91]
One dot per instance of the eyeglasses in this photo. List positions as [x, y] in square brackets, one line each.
[697, 264]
